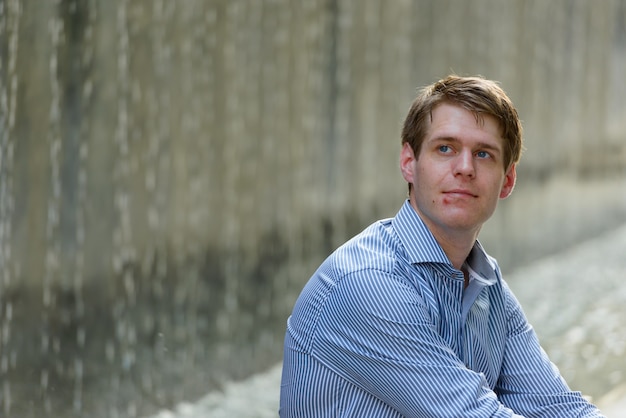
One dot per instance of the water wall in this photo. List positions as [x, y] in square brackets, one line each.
[171, 173]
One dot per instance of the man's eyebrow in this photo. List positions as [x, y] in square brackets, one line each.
[444, 138]
[491, 147]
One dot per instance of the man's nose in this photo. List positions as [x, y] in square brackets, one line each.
[465, 164]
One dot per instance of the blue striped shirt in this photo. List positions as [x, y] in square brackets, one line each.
[387, 328]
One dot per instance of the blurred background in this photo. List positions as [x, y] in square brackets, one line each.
[172, 172]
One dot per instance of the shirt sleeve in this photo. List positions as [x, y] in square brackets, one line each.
[529, 382]
[375, 332]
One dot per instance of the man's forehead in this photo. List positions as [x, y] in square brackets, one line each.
[446, 121]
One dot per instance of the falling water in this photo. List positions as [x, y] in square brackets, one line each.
[123, 354]
[50, 343]
[77, 284]
[9, 29]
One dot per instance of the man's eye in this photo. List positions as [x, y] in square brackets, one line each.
[483, 154]
[444, 148]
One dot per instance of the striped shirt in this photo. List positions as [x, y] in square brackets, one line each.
[387, 328]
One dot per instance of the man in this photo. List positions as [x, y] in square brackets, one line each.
[411, 317]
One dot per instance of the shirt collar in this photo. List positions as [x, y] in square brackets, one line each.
[422, 247]
[419, 243]
[480, 266]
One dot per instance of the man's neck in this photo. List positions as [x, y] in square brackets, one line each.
[457, 246]
[456, 243]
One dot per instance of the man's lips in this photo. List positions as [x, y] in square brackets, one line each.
[460, 193]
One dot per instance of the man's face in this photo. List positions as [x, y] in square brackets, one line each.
[459, 175]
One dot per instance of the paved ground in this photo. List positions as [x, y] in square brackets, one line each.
[256, 397]
[576, 300]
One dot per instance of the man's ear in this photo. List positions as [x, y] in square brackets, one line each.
[407, 160]
[509, 182]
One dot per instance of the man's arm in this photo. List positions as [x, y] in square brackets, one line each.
[529, 382]
[375, 332]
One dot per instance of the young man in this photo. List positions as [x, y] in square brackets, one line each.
[411, 317]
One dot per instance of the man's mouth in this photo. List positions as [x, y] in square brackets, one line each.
[460, 193]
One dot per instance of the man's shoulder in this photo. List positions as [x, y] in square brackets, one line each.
[376, 247]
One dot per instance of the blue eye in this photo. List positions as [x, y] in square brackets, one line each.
[482, 154]
[444, 148]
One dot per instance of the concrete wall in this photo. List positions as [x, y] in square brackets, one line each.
[172, 172]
